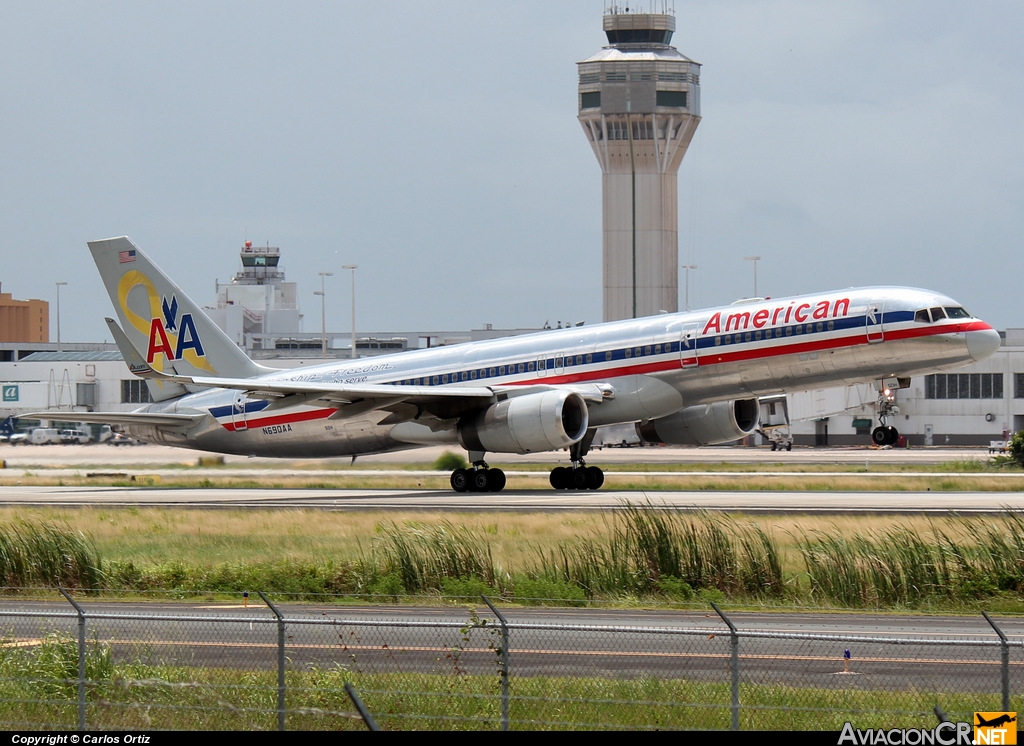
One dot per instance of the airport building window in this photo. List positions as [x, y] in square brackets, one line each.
[1018, 385]
[134, 391]
[590, 100]
[671, 98]
[964, 386]
[638, 36]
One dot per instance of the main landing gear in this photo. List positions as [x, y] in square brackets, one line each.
[479, 478]
[579, 476]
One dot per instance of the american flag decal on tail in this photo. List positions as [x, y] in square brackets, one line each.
[126, 256]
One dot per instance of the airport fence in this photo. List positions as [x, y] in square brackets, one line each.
[150, 667]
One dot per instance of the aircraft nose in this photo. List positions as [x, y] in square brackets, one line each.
[982, 342]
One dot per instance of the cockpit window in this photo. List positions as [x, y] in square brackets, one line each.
[922, 316]
[956, 312]
[938, 313]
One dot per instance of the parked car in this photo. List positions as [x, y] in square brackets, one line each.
[75, 436]
[120, 439]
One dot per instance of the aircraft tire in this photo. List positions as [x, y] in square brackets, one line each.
[879, 436]
[496, 480]
[595, 478]
[558, 478]
[578, 479]
[460, 480]
[479, 480]
[891, 435]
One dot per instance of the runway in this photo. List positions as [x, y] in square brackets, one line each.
[514, 500]
[98, 455]
[888, 652]
[57, 462]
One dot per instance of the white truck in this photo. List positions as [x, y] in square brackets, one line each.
[44, 436]
[75, 436]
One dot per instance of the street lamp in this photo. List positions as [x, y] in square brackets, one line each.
[755, 260]
[688, 267]
[58, 314]
[323, 314]
[353, 267]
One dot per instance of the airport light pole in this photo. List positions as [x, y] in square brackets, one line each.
[323, 313]
[755, 260]
[353, 267]
[59, 283]
[688, 267]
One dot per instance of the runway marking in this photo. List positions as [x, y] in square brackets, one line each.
[256, 606]
[26, 643]
[30, 642]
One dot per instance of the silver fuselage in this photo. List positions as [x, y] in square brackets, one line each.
[641, 369]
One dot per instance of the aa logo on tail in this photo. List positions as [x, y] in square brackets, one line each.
[187, 338]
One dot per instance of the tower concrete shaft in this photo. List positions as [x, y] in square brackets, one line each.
[639, 104]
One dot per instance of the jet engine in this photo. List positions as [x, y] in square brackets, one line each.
[545, 421]
[704, 424]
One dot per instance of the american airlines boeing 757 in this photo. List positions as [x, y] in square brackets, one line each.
[689, 378]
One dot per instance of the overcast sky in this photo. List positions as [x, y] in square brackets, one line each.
[435, 144]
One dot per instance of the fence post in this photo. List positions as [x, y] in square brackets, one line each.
[1005, 650]
[280, 660]
[365, 714]
[503, 663]
[734, 666]
[81, 657]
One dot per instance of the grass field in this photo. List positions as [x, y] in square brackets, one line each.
[635, 555]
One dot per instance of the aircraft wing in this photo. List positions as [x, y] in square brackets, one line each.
[183, 421]
[338, 393]
[403, 401]
[352, 399]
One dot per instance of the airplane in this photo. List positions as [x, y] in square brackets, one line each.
[1002, 719]
[689, 378]
[7, 428]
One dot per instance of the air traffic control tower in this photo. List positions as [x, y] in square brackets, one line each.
[639, 102]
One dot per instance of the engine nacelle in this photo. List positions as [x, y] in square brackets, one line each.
[704, 424]
[526, 424]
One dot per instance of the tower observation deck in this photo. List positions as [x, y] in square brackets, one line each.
[258, 303]
[639, 104]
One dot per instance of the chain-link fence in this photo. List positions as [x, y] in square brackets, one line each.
[299, 668]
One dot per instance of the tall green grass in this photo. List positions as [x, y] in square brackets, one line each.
[637, 552]
[963, 559]
[47, 554]
[648, 550]
[421, 556]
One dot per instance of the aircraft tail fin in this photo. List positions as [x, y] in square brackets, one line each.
[159, 388]
[165, 329]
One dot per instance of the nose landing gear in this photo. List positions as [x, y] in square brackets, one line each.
[886, 435]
